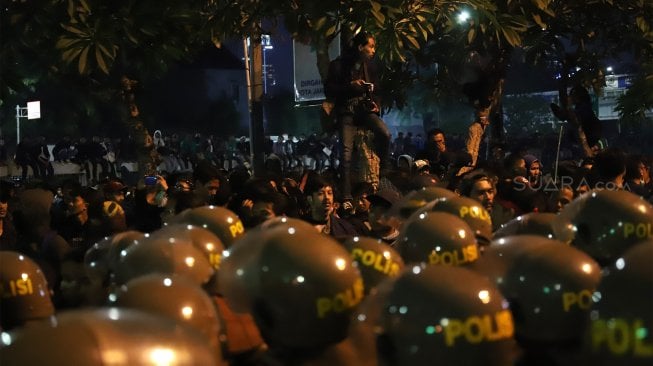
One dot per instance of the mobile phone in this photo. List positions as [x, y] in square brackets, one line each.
[150, 180]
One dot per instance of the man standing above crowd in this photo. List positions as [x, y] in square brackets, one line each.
[350, 85]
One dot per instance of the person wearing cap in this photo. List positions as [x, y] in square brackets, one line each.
[383, 226]
[113, 218]
[421, 176]
[421, 166]
[114, 190]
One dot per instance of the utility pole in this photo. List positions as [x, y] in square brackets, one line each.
[255, 94]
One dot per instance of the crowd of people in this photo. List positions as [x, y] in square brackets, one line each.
[60, 226]
[100, 157]
[444, 250]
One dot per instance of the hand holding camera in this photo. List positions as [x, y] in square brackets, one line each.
[366, 103]
[364, 86]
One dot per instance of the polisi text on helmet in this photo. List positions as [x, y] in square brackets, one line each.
[341, 301]
[378, 261]
[455, 257]
[621, 337]
[582, 299]
[479, 328]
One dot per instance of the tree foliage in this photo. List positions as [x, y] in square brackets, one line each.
[85, 47]
[89, 45]
[579, 38]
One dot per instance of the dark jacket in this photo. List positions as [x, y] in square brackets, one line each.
[338, 88]
[23, 153]
[341, 228]
[147, 217]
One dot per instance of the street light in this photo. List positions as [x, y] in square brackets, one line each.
[463, 16]
[32, 111]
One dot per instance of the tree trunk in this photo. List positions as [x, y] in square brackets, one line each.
[256, 128]
[327, 118]
[147, 156]
[496, 116]
[496, 98]
[323, 60]
[485, 89]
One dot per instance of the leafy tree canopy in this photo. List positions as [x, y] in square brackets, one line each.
[88, 46]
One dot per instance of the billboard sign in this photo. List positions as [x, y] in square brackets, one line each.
[307, 81]
[33, 110]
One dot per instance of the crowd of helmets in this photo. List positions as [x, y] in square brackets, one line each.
[205, 283]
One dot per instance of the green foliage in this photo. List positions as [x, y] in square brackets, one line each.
[581, 36]
[85, 46]
[528, 113]
[638, 100]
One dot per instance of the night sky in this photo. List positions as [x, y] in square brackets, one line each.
[280, 58]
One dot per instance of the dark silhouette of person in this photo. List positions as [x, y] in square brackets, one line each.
[350, 85]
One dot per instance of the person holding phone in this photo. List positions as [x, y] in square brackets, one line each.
[350, 85]
[150, 202]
